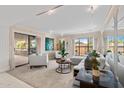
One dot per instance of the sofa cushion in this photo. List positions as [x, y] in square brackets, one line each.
[80, 65]
[121, 59]
[101, 59]
[76, 60]
[107, 66]
[110, 55]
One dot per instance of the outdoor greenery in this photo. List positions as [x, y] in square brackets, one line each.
[21, 45]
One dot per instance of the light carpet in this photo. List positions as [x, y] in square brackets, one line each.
[44, 77]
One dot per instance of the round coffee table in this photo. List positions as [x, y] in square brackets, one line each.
[64, 66]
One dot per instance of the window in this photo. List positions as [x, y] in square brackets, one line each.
[110, 43]
[83, 45]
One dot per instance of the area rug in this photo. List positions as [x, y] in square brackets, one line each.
[42, 77]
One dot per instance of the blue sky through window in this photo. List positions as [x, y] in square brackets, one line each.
[84, 40]
[111, 38]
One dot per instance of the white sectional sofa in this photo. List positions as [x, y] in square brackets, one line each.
[120, 66]
[76, 60]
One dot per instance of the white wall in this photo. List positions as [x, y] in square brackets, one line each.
[4, 49]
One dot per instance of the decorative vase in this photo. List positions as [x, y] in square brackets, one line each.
[87, 63]
[96, 76]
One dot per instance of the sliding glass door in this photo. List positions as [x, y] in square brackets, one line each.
[77, 47]
[110, 43]
[83, 46]
[32, 44]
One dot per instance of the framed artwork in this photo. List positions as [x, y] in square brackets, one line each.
[49, 44]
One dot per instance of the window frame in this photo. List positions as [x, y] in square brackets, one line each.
[88, 46]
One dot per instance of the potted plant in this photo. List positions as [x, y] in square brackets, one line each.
[62, 51]
[93, 64]
[88, 61]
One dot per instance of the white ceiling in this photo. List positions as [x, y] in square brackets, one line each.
[120, 20]
[66, 19]
[121, 17]
[10, 15]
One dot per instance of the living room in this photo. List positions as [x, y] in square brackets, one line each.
[63, 43]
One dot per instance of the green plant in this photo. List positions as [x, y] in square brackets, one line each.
[94, 54]
[62, 51]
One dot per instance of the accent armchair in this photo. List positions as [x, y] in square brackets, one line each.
[38, 60]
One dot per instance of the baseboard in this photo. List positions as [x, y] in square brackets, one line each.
[4, 69]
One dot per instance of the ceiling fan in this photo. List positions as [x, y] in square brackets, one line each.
[122, 18]
[49, 11]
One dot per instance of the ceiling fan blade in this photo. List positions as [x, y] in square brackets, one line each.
[121, 19]
[50, 9]
[41, 13]
[57, 7]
